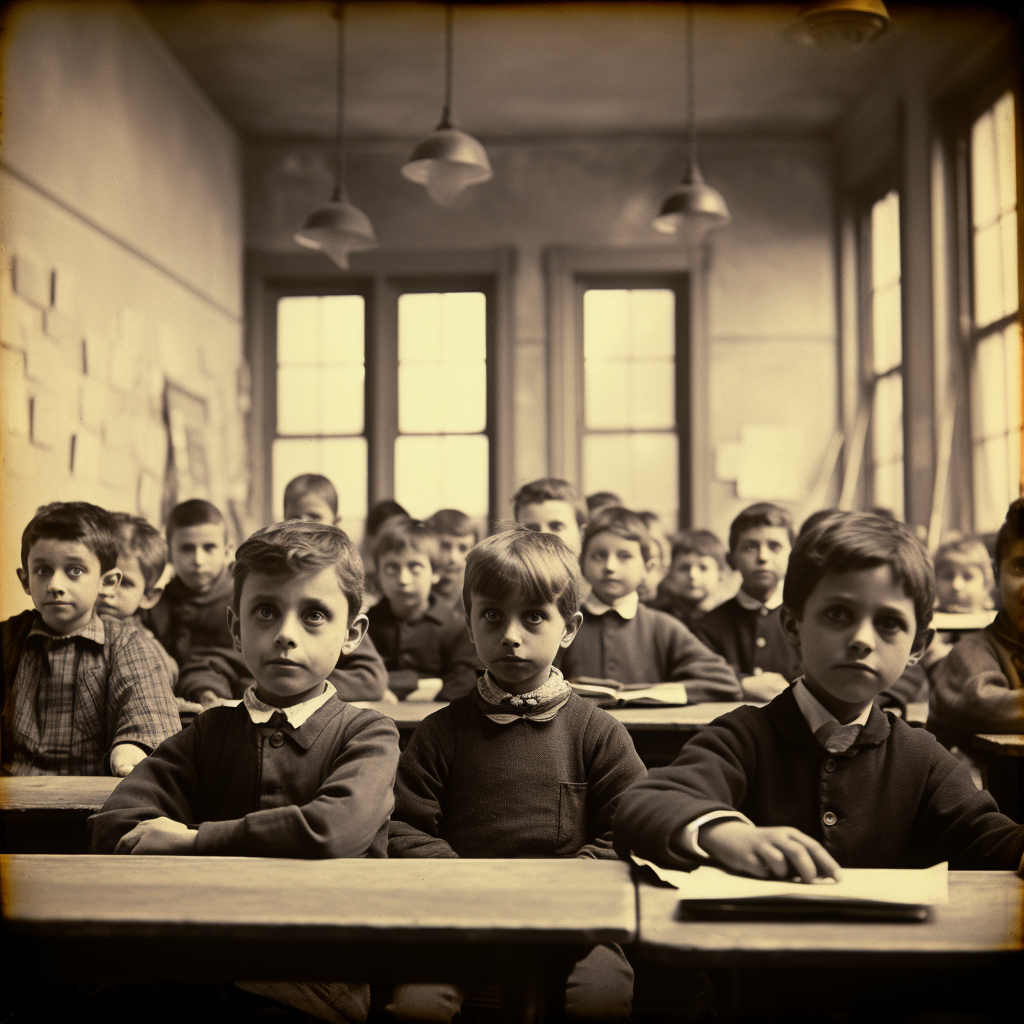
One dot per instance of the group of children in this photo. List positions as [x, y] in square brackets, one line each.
[823, 628]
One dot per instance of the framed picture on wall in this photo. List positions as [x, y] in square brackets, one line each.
[188, 465]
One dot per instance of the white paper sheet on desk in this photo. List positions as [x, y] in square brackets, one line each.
[916, 886]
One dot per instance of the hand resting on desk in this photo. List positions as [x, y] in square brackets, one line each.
[778, 852]
[124, 757]
[158, 836]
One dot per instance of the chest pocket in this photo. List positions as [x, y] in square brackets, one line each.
[572, 818]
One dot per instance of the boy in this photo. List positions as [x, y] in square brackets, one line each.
[690, 587]
[822, 778]
[418, 635]
[313, 497]
[522, 766]
[745, 630]
[979, 687]
[553, 506]
[456, 535]
[626, 641]
[291, 771]
[963, 576]
[81, 695]
[660, 548]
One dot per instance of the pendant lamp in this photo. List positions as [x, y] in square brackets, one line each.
[448, 160]
[840, 24]
[338, 228]
[692, 208]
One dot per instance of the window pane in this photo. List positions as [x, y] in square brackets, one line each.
[1006, 152]
[442, 398]
[622, 396]
[984, 182]
[885, 241]
[887, 443]
[341, 460]
[642, 468]
[450, 471]
[321, 329]
[319, 400]
[887, 327]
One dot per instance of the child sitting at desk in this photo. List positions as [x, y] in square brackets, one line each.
[625, 641]
[522, 766]
[311, 496]
[690, 587]
[292, 771]
[81, 695]
[822, 777]
[456, 536]
[553, 506]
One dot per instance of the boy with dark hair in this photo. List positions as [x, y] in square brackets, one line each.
[292, 771]
[690, 587]
[313, 497]
[456, 536]
[822, 778]
[81, 695]
[420, 636]
[625, 641]
[600, 500]
[551, 505]
[745, 630]
[522, 766]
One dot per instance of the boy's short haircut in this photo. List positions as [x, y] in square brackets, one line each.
[194, 512]
[1011, 530]
[381, 512]
[300, 546]
[136, 537]
[602, 499]
[850, 541]
[73, 520]
[622, 523]
[539, 568]
[764, 513]
[405, 534]
[453, 523]
[969, 549]
[551, 489]
[815, 518]
[311, 483]
[699, 542]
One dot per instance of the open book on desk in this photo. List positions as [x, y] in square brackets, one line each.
[609, 694]
[897, 894]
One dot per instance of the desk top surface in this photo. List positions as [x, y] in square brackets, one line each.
[1011, 744]
[571, 900]
[55, 793]
[984, 915]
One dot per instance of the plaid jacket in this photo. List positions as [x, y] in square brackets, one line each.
[67, 700]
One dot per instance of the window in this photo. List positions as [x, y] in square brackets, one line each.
[995, 356]
[885, 379]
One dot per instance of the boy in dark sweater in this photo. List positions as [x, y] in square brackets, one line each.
[823, 778]
[292, 771]
[522, 766]
[690, 587]
[623, 640]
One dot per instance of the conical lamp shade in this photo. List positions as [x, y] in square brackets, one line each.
[448, 161]
[692, 208]
[337, 228]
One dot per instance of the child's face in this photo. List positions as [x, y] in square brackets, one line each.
[405, 579]
[131, 594]
[694, 577]
[291, 630]
[312, 508]
[517, 642]
[761, 557]
[454, 549]
[857, 633]
[199, 554]
[557, 517]
[614, 566]
[64, 581]
[960, 585]
[1011, 583]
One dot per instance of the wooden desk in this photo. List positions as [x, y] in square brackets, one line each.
[47, 813]
[1008, 744]
[1002, 768]
[214, 918]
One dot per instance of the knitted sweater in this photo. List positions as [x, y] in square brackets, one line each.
[468, 787]
[977, 688]
[321, 790]
[650, 648]
[185, 622]
[896, 798]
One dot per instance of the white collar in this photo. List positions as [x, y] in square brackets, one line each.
[753, 605]
[626, 605]
[296, 715]
[814, 713]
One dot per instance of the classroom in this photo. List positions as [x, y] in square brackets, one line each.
[687, 260]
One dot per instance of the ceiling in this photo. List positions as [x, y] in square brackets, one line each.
[528, 69]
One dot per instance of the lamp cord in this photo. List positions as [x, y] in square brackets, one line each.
[339, 133]
[446, 111]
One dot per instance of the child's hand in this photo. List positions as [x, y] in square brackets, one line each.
[765, 687]
[779, 852]
[209, 699]
[158, 836]
[124, 757]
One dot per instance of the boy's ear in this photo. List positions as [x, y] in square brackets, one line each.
[235, 624]
[23, 579]
[572, 627]
[921, 644]
[110, 581]
[790, 627]
[356, 631]
[150, 598]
